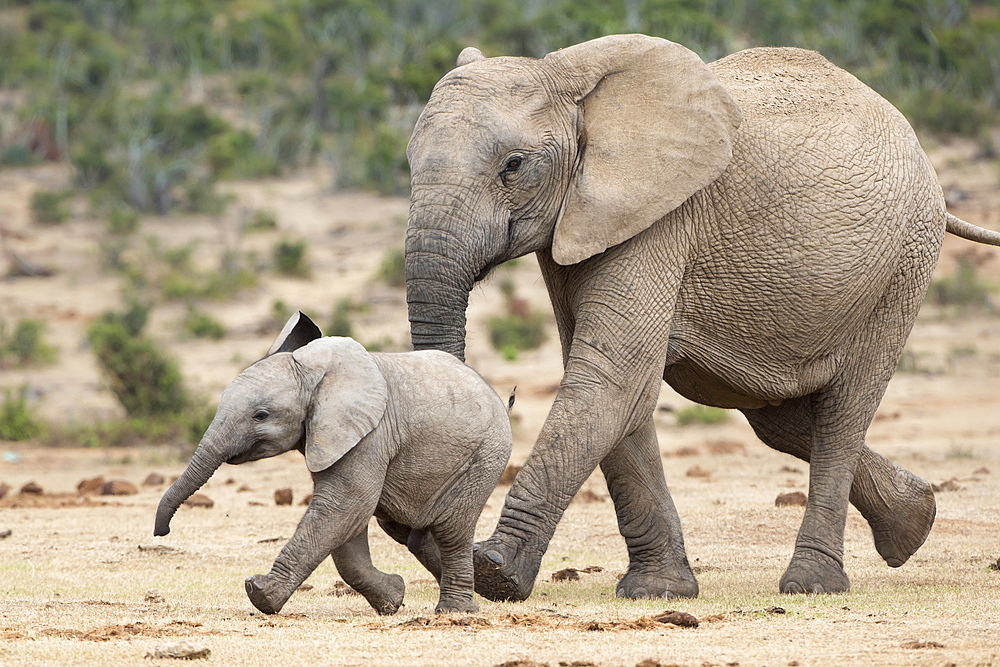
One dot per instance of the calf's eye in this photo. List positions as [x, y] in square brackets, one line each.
[261, 415]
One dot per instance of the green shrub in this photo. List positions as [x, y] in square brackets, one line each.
[963, 290]
[340, 320]
[701, 414]
[16, 419]
[144, 379]
[202, 325]
[514, 332]
[25, 344]
[262, 220]
[290, 258]
[392, 268]
[48, 207]
[123, 221]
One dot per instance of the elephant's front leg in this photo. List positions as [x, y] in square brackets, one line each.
[342, 504]
[658, 565]
[383, 591]
[590, 415]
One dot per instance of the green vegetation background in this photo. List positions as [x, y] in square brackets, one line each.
[154, 101]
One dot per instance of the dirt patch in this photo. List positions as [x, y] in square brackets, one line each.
[115, 632]
[49, 501]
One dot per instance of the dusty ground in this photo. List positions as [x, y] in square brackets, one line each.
[76, 575]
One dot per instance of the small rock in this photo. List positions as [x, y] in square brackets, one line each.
[31, 488]
[716, 447]
[200, 500]
[4, 490]
[119, 487]
[4, 534]
[180, 651]
[91, 486]
[308, 499]
[568, 574]
[678, 618]
[416, 621]
[154, 479]
[305, 587]
[243, 488]
[978, 471]
[793, 499]
[993, 566]
[698, 471]
[283, 496]
[229, 481]
[154, 596]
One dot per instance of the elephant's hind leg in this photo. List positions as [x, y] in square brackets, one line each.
[658, 565]
[898, 505]
[383, 591]
[420, 543]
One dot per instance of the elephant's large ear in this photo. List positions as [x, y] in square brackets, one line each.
[348, 402]
[299, 330]
[655, 127]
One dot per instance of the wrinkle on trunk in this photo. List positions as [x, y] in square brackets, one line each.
[438, 282]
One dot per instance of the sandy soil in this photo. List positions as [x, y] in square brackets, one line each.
[75, 573]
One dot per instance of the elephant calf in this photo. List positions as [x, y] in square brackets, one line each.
[417, 439]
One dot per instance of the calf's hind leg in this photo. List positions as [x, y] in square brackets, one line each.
[383, 591]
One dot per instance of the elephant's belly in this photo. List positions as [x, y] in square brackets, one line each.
[745, 387]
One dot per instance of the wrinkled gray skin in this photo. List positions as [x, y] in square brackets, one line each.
[416, 439]
[758, 232]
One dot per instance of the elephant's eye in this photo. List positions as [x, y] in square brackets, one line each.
[261, 415]
[513, 164]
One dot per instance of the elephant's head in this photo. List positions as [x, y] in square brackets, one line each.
[322, 395]
[576, 152]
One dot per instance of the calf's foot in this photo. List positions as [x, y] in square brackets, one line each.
[813, 571]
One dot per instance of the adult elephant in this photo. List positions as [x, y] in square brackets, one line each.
[758, 232]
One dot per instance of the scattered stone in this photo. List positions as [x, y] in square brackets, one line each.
[4, 534]
[686, 451]
[793, 499]
[774, 610]
[725, 447]
[699, 472]
[993, 566]
[914, 644]
[154, 596]
[230, 481]
[521, 663]
[154, 479]
[678, 618]
[4, 490]
[283, 496]
[305, 587]
[180, 651]
[268, 540]
[509, 473]
[91, 486]
[947, 485]
[243, 488]
[790, 470]
[200, 500]
[119, 487]
[978, 471]
[308, 499]
[256, 503]
[31, 488]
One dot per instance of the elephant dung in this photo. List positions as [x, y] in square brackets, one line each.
[283, 496]
[679, 618]
[793, 499]
[199, 500]
[91, 486]
[154, 479]
[31, 488]
[119, 487]
[4, 490]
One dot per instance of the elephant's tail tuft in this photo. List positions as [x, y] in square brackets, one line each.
[967, 230]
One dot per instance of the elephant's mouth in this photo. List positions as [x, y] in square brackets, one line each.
[487, 270]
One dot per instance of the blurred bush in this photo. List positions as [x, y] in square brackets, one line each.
[963, 291]
[701, 414]
[290, 258]
[17, 421]
[48, 207]
[25, 345]
[392, 268]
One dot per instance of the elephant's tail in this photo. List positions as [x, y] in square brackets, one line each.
[967, 230]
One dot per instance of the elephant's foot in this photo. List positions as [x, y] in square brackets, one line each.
[451, 605]
[263, 593]
[643, 582]
[900, 509]
[387, 598]
[813, 571]
[502, 574]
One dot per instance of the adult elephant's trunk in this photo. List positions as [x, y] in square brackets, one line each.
[206, 460]
[438, 282]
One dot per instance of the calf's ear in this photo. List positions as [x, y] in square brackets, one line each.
[348, 402]
[299, 330]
